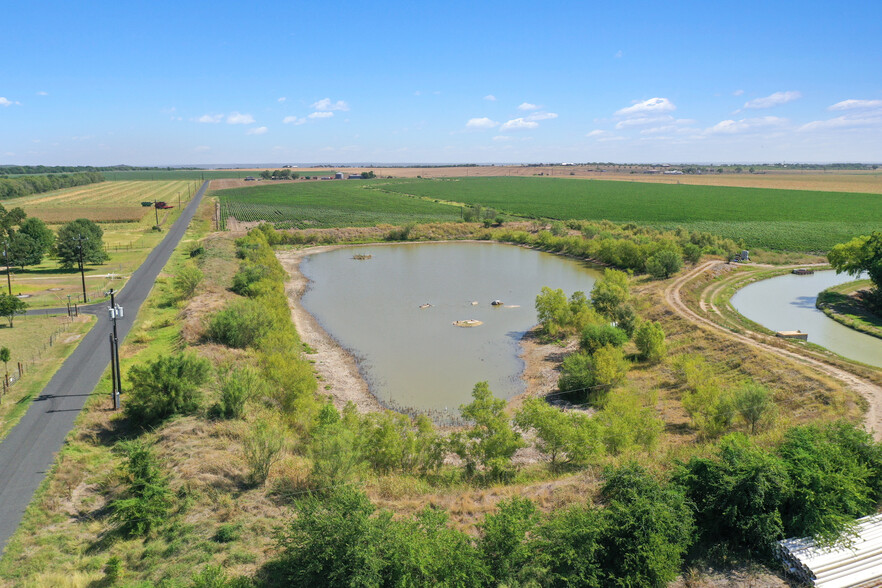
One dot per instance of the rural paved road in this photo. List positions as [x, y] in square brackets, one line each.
[29, 450]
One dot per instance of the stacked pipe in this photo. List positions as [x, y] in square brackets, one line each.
[857, 562]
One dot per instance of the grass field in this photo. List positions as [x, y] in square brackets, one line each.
[328, 204]
[128, 235]
[798, 220]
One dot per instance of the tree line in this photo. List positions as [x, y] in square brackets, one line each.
[37, 184]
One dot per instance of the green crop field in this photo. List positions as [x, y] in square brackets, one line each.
[796, 220]
[340, 203]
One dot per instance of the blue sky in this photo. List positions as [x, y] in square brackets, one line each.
[487, 82]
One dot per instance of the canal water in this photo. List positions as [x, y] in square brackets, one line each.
[787, 303]
[415, 357]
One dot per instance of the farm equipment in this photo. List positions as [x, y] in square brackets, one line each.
[162, 205]
[147, 203]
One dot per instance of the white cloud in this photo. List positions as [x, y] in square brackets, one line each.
[417, 93]
[732, 127]
[325, 104]
[282, 99]
[321, 115]
[42, 93]
[502, 138]
[201, 148]
[257, 131]
[642, 121]
[5, 102]
[517, 124]
[596, 133]
[293, 120]
[773, 100]
[843, 122]
[651, 106]
[528, 106]
[618, 54]
[490, 97]
[481, 123]
[738, 92]
[856, 105]
[542, 116]
[237, 118]
[210, 118]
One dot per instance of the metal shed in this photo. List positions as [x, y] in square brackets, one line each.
[856, 564]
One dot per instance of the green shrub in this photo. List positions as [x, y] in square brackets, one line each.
[566, 437]
[227, 533]
[243, 323]
[166, 386]
[648, 528]
[187, 280]
[147, 499]
[236, 388]
[263, 448]
[737, 495]
[610, 367]
[576, 373]
[650, 341]
[503, 544]
[595, 336]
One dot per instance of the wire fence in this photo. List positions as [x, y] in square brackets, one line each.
[22, 366]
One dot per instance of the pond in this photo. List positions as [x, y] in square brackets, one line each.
[787, 303]
[412, 355]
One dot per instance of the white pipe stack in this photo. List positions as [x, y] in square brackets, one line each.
[858, 563]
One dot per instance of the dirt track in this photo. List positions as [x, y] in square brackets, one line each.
[869, 390]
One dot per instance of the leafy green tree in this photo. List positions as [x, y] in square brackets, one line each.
[649, 526]
[334, 451]
[23, 251]
[81, 234]
[10, 306]
[39, 232]
[560, 316]
[5, 356]
[737, 495]
[628, 422]
[861, 254]
[9, 219]
[491, 442]
[166, 386]
[610, 292]
[566, 437]
[368, 175]
[610, 366]
[147, 499]
[664, 264]
[503, 543]
[236, 388]
[650, 340]
[595, 336]
[754, 404]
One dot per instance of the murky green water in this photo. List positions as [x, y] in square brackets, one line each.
[787, 303]
[413, 357]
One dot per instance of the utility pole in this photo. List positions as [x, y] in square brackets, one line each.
[79, 239]
[6, 259]
[115, 312]
[156, 210]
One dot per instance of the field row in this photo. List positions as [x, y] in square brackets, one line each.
[328, 204]
[107, 202]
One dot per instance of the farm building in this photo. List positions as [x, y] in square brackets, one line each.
[355, 176]
[338, 176]
[858, 563]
